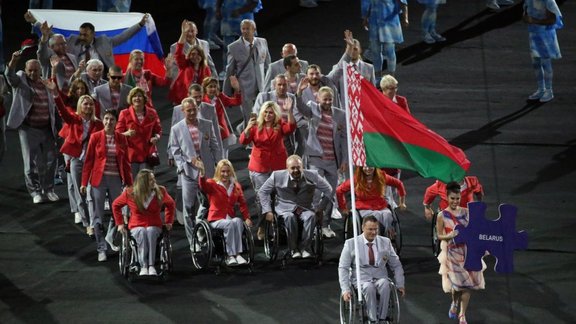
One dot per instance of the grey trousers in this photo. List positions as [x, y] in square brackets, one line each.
[76, 176]
[189, 192]
[233, 228]
[258, 180]
[329, 170]
[146, 239]
[96, 197]
[377, 309]
[291, 223]
[70, 187]
[39, 155]
[384, 216]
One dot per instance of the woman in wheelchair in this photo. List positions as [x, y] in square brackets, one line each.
[145, 200]
[375, 254]
[370, 188]
[224, 192]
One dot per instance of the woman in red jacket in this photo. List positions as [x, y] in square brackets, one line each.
[192, 67]
[212, 95]
[142, 127]
[145, 201]
[106, 170]
[266, 133]
[224, 192]
[370, 188]
[81, 125]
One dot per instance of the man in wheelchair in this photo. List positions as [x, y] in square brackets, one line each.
[294, 192]
[375, 252]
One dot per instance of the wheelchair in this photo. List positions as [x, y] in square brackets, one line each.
[396, 240]
[355, 311]
[209, 244]
[276, 233]
[128, 256]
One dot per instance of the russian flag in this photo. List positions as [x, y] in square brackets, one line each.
[67, 22]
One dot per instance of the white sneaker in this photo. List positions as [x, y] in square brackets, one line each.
[336, 214]
[37, 199]
[231, 260]
[428, 39]
[536, 95]
[152, 271]
[52, 196]
[308, 4]
[547, 96]
[306, 254]
[492, 4]
[143, 271]
[106, 204]
[241, 260]
[113, 246]
[296, 254]
[77, 218]
[327, 232]
[102, 256]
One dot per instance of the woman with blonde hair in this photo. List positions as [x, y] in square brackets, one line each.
[224, 192]
[192, 67]
[80, 125]
[145, 199]
[266, 133]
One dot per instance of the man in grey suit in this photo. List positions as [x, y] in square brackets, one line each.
[93, 75]
[86, 46]
[315, 80]
[248, 60]
[326, 145]
[277, 67]
[352, 55]
[52, 50]
[374, 252]
[114, 94]
[191, 40]
[190, 139]
[294, 189]
[33, 114]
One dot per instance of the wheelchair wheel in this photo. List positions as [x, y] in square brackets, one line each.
[248, 245]
[125, 254]
[203, 246]
[348, 310]
[271, 239]
[349, 226]
[318, 245]
[397, 239]
[434, 235]
[165, 258]
[393, 305]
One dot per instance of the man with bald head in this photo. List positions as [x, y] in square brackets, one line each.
[33, 114]
[277, 67]
[294, 192]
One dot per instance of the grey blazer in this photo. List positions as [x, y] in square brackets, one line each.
[44, 53]
[272, 96]
[103, 96]
[312, 111]
[337, 76]
[207, 112]
[22, 97]
[251, 77]
[286, 198]
[91, 85]
[385, 254]
[277, 67]
[183, 151]
[205, 46]
[103, 44]
[308, 95]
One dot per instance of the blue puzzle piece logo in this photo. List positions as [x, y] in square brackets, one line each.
[499, 237]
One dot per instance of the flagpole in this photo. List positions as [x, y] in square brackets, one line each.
[351, 173]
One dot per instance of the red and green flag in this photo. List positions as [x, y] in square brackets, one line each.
[385, 135]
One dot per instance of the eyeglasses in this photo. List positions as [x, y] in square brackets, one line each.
[116, 77]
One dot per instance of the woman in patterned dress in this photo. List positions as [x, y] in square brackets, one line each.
[456, 280]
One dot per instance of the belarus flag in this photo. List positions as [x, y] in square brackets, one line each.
[386, 136]
[67, 22]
